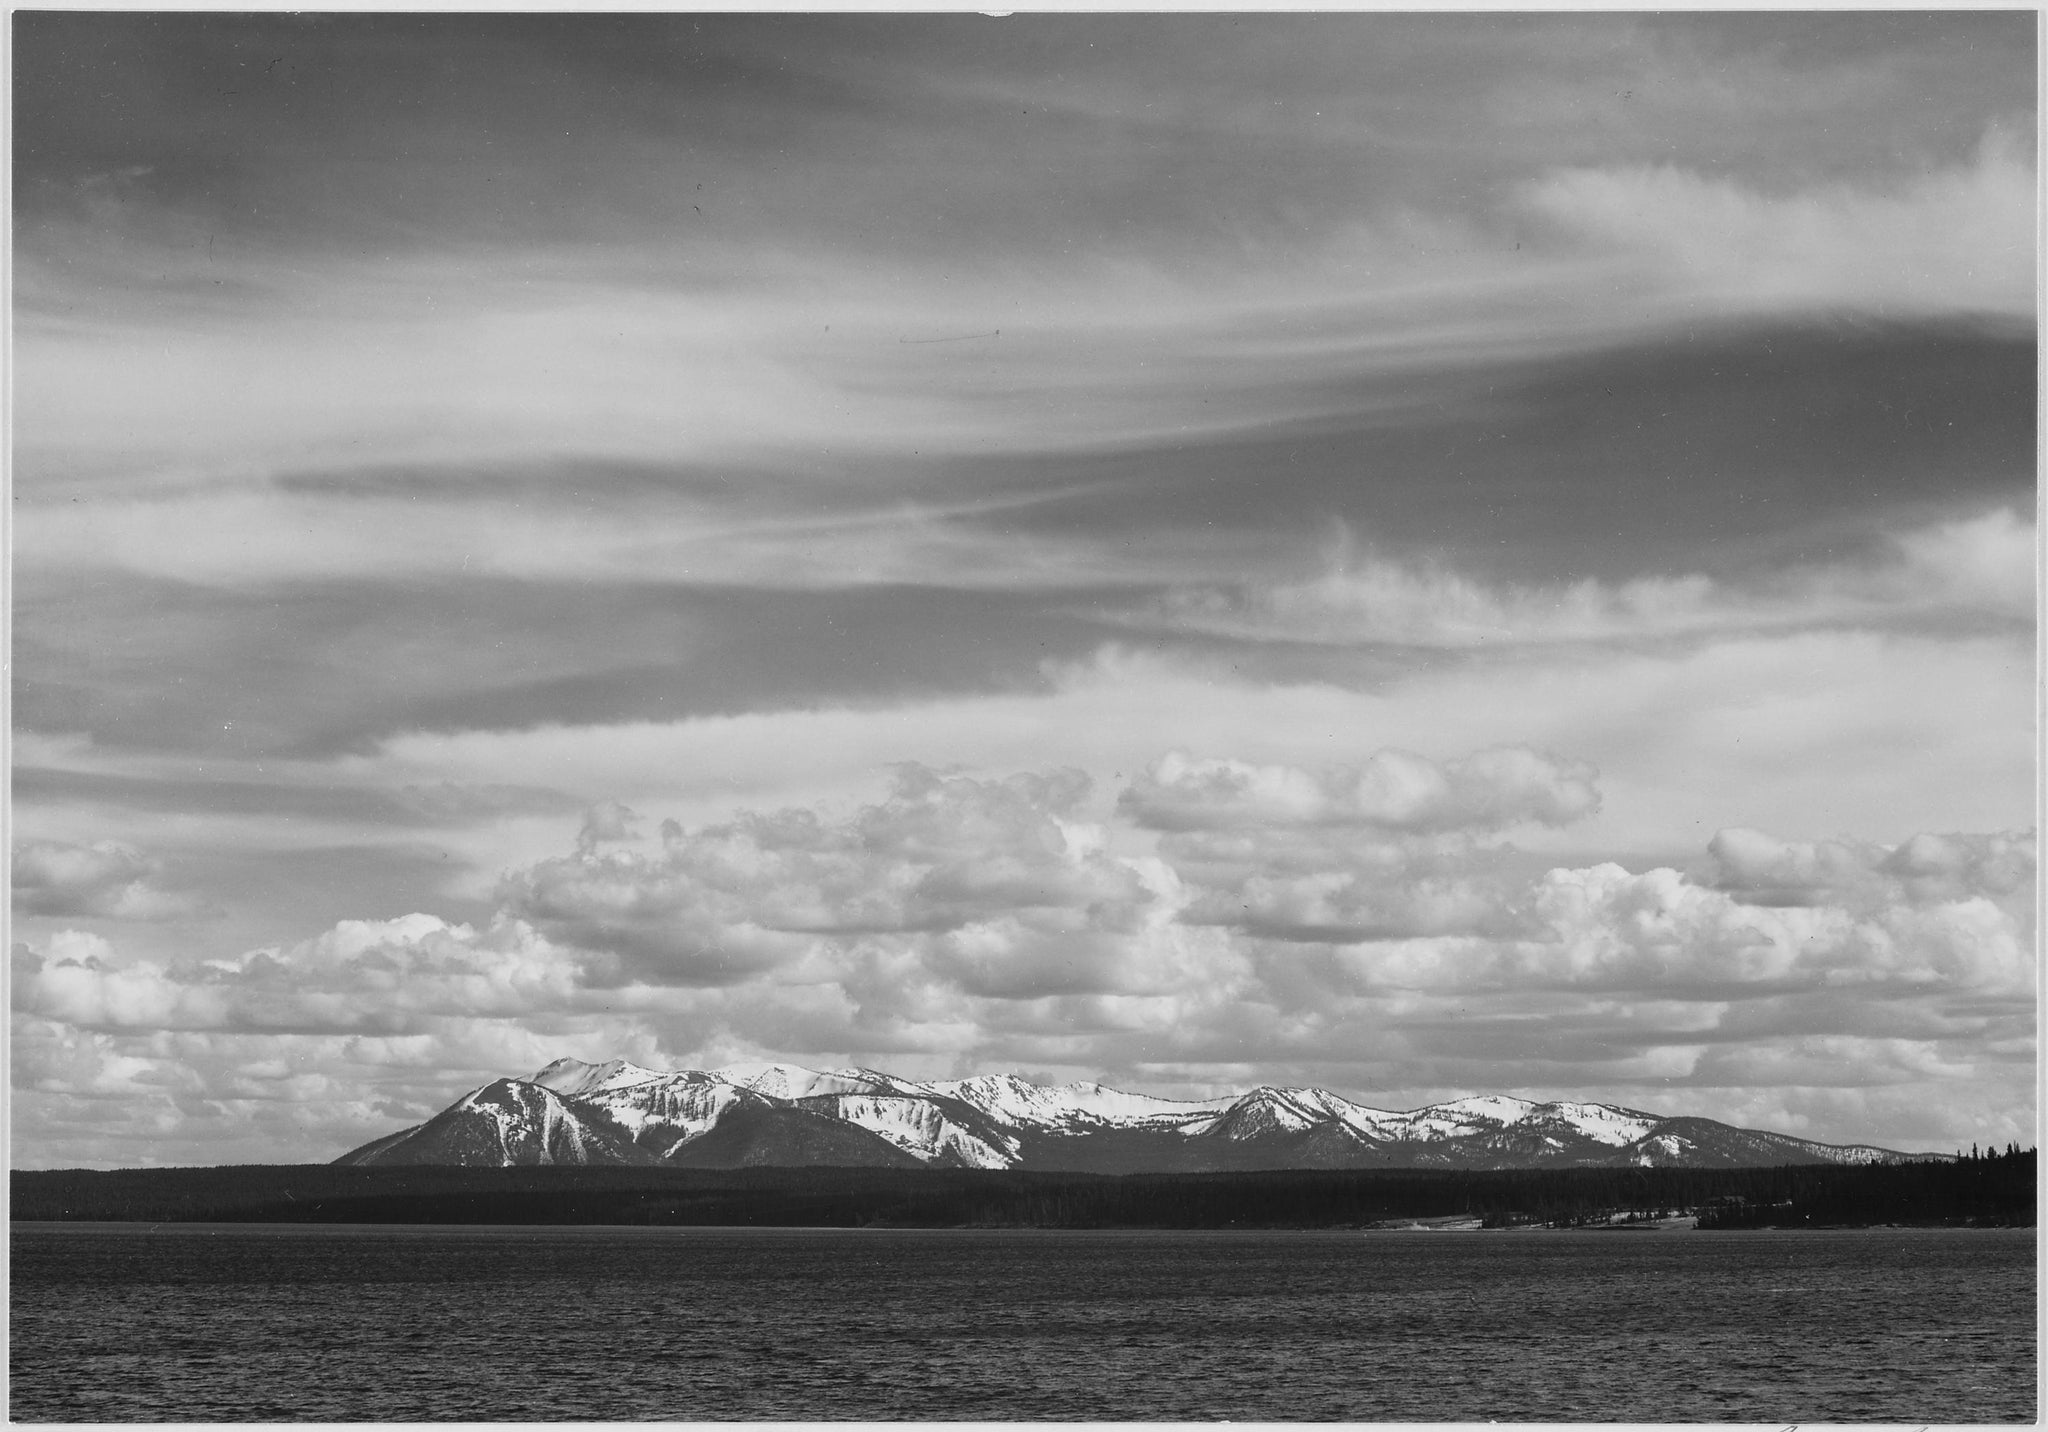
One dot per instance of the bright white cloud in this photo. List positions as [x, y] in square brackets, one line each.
[1605, 927]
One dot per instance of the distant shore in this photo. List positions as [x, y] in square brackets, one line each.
[1997, 1192]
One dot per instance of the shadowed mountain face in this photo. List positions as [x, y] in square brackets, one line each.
[762, 1133]
[508, 1122]
[784, 1116]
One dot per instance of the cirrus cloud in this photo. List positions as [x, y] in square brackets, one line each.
[1978, 568]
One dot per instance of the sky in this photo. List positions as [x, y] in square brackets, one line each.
[1412, 554]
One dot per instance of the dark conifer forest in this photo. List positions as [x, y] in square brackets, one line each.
[1978, 1189]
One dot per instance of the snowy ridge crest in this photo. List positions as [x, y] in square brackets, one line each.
[615, 1111]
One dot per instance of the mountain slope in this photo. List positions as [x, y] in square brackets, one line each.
[759, 1133]
[507, 1123]
[750, 1115]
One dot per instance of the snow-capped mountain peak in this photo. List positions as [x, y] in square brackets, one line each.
[573, 1078]
[667, 1112]
[772, 1113]
[1265, 1110]
[1016, 1100]
[1602, 1123]
[1483, 1109]
[792, 1081]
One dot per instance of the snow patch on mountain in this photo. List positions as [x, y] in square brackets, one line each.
[1857, 1153]
[1461, 1118]
[1361, 1119]
[670, 1110]
[917, 1126]
[1602, 1123]
[1664, 1148]
[527, 1118]
[1064, 1107]
[574, 1079]
[1288, 1110]
[791, 1081]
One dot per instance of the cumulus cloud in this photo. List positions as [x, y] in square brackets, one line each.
[367, 976]
[605, 822]
[1362, 926]
[1987, 562]
[1396, 846]
[105, 879]
[1959, 866]
[1001, 878]
[1929, 868]
[1978, 567]
[1391, 790]
[1768, 871]
[1959, 239]
[1605, 927]
[1345, 896]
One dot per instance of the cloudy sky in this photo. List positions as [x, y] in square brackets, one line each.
[1413, 554]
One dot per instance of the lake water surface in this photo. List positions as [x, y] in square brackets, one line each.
[122, 1322]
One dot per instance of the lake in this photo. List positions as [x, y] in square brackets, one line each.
[209, 1322]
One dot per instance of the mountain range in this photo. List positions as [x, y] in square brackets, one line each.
[780, 1115]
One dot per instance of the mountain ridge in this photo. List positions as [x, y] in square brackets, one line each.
[769, 1114]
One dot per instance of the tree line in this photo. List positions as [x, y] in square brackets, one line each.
[1981, 1189]
[1976, 1188]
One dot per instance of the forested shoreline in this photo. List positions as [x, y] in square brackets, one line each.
[1987, 1190]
